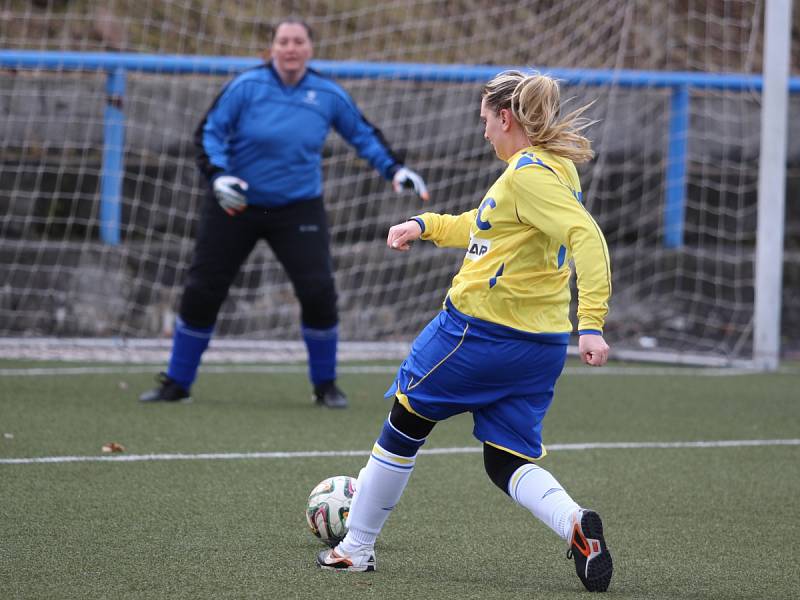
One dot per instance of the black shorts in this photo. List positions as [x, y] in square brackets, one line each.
[299, 238]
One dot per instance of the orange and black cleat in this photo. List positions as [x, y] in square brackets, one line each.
[587, 547]
[338, 560]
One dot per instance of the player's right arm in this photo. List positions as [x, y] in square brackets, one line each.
[214, 131]
[593, 349]
[547, 205]
[212, 141]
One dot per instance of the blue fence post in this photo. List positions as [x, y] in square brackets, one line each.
[677, 161]
[113, 158]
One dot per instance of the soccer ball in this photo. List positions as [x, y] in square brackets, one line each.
[328, 506]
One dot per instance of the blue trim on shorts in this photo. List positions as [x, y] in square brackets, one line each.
[504, 377]
[495, 329]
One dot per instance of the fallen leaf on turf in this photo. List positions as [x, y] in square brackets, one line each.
[113, 447]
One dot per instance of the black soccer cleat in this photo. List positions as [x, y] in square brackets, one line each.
[587, 547]
[329, 394]
[168, 390]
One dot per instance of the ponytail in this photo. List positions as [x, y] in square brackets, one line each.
[535, 103]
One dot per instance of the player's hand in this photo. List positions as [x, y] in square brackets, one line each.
[400, 235]
[229, 191]
[406, 178]
[593, 349]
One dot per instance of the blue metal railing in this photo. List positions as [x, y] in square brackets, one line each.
[117, 65]
[677, 166]
[113, 158]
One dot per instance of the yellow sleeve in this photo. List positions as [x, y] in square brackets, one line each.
[548, 205]
[449, 231]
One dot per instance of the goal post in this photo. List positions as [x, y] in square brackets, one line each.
[772, 185]
[99, 193]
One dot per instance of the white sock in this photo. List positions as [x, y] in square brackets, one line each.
[378, 489]
[539, 492]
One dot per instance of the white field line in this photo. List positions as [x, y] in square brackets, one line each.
[340, 453]
[359, 370]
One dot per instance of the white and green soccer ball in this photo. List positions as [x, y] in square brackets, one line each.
[328, 506]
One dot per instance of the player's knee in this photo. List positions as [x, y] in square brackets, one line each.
[200, 305]
[501, 465]
[408, 423]
[404, 432]
[318, 303]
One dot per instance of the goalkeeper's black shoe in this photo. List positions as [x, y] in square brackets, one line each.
[587, 547]
[168, 390]
[329, 394]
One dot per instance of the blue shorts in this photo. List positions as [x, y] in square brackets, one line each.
[504, 377]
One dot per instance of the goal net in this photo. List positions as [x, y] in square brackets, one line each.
[99, 193]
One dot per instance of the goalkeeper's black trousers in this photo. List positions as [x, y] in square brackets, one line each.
[298, 236]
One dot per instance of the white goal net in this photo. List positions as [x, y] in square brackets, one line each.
[99, 192]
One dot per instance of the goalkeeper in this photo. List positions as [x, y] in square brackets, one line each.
[260, 146]
[499, 345]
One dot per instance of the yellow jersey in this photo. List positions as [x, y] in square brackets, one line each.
[519, 244]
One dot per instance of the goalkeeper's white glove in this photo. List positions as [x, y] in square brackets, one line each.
[406, 178]
[229, 191]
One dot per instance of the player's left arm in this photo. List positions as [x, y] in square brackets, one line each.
[371, 145]
[444, 230]
[449, 231]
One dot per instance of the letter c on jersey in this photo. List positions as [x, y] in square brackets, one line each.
[484, 225]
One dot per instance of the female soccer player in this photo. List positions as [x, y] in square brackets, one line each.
[260, 146]
[500, 342]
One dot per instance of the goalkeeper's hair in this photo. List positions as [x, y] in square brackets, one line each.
[273, 28]
[535, 102]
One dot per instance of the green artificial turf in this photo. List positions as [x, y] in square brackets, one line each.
[689, 522]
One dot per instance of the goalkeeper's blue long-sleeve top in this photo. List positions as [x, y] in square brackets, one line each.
[271, 135]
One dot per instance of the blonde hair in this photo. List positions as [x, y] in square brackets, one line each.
[535, 102]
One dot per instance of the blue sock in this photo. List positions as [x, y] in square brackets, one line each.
[188, 345]
[321, 346]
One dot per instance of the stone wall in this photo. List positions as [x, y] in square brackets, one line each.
[57, 279]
